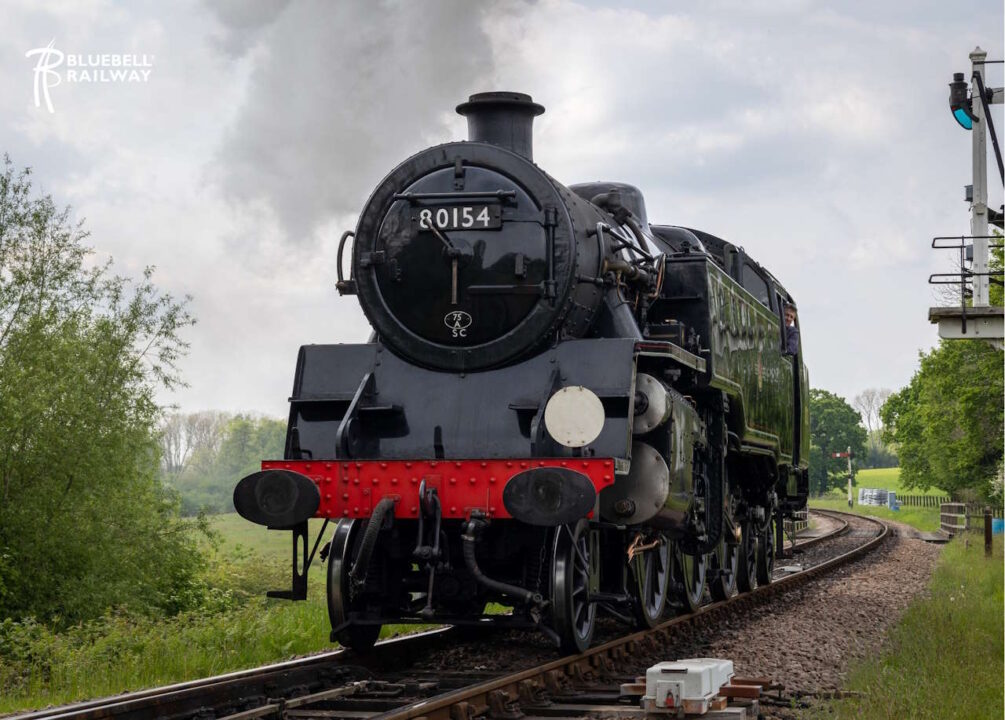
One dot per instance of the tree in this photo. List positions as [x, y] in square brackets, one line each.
[185, 435]
[996, 262]
[247, 441]
[869, 402]
[877, 453]
[210, 452]
[85, 524]
[947, 423]
[834, 427]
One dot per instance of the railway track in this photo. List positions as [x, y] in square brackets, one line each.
[342, 684]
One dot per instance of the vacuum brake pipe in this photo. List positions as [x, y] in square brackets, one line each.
[470, 538]
[357, 576]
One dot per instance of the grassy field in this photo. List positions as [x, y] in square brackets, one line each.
[926, 519]
[887, 479]
[239, 538]
[944, 658]
[239, 628]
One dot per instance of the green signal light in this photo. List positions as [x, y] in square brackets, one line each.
[959, 102]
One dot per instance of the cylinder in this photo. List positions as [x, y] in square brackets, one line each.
[650, 494]
[640, 495]
[653, 404]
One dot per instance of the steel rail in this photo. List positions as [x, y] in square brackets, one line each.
[478, 697]
[189, 692]
[200, 696]
[810, 541]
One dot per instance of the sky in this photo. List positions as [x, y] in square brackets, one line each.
[817, 135]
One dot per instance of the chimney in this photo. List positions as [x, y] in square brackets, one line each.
[502, 118]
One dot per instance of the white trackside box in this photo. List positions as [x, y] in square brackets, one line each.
[685, 684]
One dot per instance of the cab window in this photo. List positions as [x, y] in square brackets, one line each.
[756, 285]
[780, 313]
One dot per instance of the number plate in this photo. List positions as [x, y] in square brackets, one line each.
[458, 217]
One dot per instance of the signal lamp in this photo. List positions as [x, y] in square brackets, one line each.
[960, 103]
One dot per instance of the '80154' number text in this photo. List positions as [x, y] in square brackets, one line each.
[459, 217]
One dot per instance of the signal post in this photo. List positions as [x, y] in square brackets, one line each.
[846, 454]
[970, 103]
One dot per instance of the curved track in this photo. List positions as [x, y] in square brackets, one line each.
[341, 683]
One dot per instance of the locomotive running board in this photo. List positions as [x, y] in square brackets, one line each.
[663, 349]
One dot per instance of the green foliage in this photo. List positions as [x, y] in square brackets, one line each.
[834, 427]
[207, 453]
[944, 658]
[877, 453]
[869, 403]
[922, 518]
[234, 627]
[996, 261]
[121, 651]
[85, 524]
[947, 423]
[888, 479]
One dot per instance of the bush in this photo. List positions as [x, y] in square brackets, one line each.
[947, 423]
[85, 524]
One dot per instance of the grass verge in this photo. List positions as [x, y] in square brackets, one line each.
[926, 519]
[944, 659]
[238, 628]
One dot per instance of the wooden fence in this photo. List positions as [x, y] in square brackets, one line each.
[952, 518]
[955, 518]
[973, 509]
[799, 522]
[922, 500]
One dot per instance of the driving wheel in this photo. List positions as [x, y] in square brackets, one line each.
[766, 552]
[690, 577]
[345, 605]
[651, 573]
[574, 616]
[746, 570]
[725, 562]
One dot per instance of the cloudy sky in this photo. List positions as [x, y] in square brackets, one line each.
[815, 134]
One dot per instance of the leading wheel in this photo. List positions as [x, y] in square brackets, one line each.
[725, 562]
[766, 552]
[342, 603]
[651, 572]
[573, 615]
[690, 577]
[746, 568]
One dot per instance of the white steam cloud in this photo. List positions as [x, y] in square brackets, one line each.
[338, 94]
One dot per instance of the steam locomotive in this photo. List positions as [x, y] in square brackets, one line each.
[563, 409]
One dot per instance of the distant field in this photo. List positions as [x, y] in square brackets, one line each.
[884, 479]
[926, 519]
[242, 539]
[888, 479]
